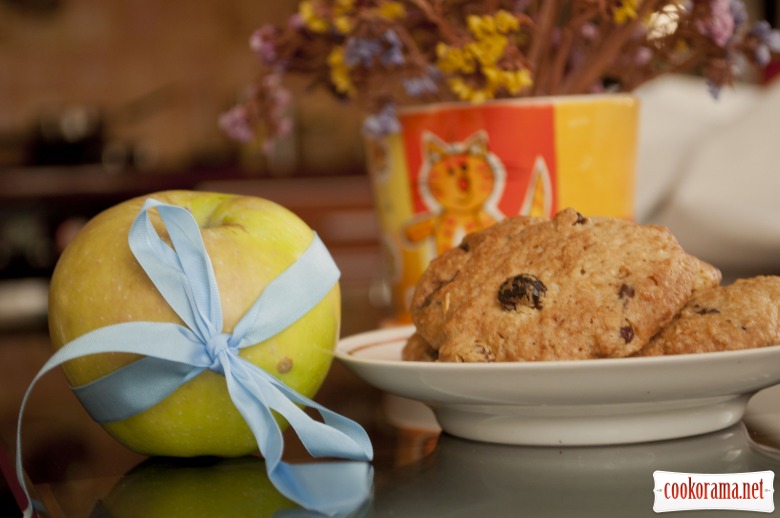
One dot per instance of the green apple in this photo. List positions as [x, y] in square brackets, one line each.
[194, 488]
[97, 282]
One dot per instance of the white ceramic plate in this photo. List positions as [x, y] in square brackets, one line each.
[585, 402]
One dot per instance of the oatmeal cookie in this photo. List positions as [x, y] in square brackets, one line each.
[741, 315]
[570, 287]
[418, 350]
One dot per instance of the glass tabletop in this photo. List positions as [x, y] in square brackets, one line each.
[77, 470]
[418, 471]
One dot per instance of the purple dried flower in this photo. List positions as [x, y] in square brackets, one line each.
[382, 123]
[589, 31]
[296, 22]
[236, 124]
[720, 25]
[282, 98]
[361, 51]
[393, 54]
[643, 56]
[278, 101]
[261, 41]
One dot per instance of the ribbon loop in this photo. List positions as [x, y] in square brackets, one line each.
[183, 275]
[176, 354]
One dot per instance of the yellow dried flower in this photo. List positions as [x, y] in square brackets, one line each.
[488, 50]
[339, 72]
[481, 26]
[343, 12]
[465, 92]
[626, 11]
[451, 59]
[342, 24]
[515, 80]
[506, 22]
[310, 19]
[392, 10]
[503, 22]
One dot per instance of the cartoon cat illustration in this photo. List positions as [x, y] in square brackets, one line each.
[460, 183]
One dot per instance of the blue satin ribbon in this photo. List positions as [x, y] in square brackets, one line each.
[175, 354]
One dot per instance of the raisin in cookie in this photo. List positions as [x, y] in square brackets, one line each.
[564, 288]
[445, 267]
[741, 315]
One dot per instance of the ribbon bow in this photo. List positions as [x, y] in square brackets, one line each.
[185, 278]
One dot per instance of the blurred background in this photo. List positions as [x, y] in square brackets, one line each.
[100, 101]
[139, 84]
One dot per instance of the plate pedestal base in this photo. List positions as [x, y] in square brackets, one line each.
[591, 425]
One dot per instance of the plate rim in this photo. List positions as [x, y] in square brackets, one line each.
[571, 402]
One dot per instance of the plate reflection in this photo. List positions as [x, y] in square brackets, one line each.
[466, 478]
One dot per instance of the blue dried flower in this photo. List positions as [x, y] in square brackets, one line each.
[424, 84]
[419, 86]
[713, 88]
[738, 13]
[361, 51]
[393, 54]
[768, 42]
[383, 123]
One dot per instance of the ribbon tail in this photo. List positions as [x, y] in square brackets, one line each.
[338, 436]
[139, 338]
[333, 488]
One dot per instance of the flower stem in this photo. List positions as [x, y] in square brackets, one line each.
[582, 78]
[548, 12]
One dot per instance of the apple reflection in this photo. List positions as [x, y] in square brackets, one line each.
[200, 487]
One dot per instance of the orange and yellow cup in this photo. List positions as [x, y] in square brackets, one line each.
[456, 168]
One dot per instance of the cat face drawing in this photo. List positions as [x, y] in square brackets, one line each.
[460, 184]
